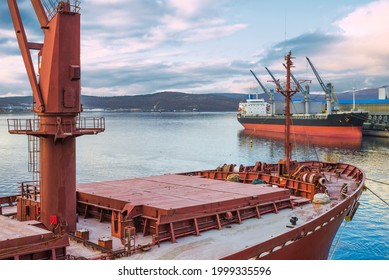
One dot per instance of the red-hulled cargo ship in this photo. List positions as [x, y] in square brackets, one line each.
[284, 210]
[307, 118]
[338, 124]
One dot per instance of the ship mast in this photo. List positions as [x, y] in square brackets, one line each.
[287, 92]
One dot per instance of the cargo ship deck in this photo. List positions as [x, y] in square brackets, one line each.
[202, 218]
[189, 216]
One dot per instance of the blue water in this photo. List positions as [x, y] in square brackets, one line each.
[143, 144]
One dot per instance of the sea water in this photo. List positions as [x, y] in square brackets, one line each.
[144, 144]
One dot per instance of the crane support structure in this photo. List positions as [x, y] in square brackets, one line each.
[58, 105]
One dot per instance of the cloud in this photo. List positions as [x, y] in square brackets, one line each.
[131, 47]
[189, 8]
[301, 46]
[140, 47]
[206, 32]
[365, 34]
[356, 54]
[151, 40]
[361, 55]
[155, 75]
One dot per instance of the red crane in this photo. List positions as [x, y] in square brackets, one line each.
[57, 104]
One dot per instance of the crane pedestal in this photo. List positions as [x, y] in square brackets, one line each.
[58, 183]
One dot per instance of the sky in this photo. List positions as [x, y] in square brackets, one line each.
[132, 47]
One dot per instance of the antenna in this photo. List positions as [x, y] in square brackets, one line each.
[285, 25]
[285, 31]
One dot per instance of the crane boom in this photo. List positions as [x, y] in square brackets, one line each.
[328, 89]
[323, 86]
[259, 82]
[277, 82]
[40, 13]
[25, 48]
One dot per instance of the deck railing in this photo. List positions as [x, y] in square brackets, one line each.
[29, 190]
[92, 123]
[54, 6]
[29, 126]
[22, 125]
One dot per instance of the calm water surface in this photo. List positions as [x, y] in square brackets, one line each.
[143, 144]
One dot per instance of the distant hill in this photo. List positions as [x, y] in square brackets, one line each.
[166, 101]
[363, 94]
[15, 104]
[174, 101]
[161, 101]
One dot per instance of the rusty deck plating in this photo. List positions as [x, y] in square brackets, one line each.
[170, 206]
[21, 240]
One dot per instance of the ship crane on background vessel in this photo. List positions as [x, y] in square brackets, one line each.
[269, 93]
[328, 89]
[277, 82]
[305, 91]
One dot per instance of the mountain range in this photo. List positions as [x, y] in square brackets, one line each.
[161, 101]
[172, 101]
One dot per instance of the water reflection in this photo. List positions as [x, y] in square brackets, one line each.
[269, 147]
[297, 139]
[371, 142]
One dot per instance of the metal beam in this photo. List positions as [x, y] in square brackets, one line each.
[277, 82]
[25, 51]
[259, 82]
[40, 12]
[325, 89]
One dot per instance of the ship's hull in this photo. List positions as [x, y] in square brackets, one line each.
[345, 125]
[310, 241]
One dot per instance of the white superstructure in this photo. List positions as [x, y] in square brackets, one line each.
[254, 107]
